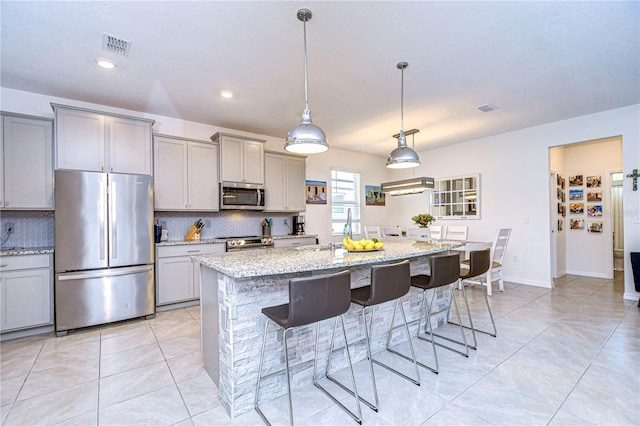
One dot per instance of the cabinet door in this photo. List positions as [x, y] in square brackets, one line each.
[253, 162]
[274, 180]
[170, 174]
[28, 163]
[295, 184]
[175, 280]
[203, 176]
[80, 140]
[231, 165]
[25, 298]
[2, 163]
[129, 146]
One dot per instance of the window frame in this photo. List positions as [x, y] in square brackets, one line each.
[356, 204]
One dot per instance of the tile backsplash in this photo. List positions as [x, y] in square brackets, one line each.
[228, 223]
[31, 228]
[36, 228]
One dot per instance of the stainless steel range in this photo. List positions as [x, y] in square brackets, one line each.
[249, 243]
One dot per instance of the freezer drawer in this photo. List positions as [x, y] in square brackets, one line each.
[98, 297]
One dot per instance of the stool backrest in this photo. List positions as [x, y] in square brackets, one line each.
[479, 262]
[445, 269]
[313, 299]
[389, 282]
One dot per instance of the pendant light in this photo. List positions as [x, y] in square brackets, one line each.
[402, 157]
[306, 137]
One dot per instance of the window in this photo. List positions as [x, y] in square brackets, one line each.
[345, 195]
[457, 197]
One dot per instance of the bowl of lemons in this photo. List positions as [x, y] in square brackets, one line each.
[362, 245]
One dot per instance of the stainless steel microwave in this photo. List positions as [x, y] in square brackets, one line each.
[241, 196]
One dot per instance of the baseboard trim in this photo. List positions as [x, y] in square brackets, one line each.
[631, 296]
[525, 281]
[589, 274]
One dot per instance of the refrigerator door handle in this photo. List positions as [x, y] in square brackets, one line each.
[114, 220]
[102, 211]
[104, 273]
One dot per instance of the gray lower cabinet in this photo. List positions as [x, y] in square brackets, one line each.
[26, 291]
[294, 242]
[177, 276]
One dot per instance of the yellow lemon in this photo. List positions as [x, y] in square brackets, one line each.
[370, 245]
[378, 245]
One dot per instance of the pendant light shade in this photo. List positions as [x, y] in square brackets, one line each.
[306, 137]
[402, 157]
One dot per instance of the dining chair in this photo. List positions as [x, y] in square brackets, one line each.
[372, 232]
[391, 233]
[498, 250]
[416, 233]
[437, 231]
[457, 233]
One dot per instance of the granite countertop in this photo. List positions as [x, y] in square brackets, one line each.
[221, 240]
[251, 264]
[21, 251]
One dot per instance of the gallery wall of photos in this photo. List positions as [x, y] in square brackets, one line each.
[585, 203]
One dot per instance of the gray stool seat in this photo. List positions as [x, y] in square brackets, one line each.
[445, 271]
[311, 300]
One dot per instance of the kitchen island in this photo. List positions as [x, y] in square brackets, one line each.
[236, 286]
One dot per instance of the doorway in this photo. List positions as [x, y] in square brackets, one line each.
[617, 219]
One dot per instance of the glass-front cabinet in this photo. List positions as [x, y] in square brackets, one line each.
[456, 197]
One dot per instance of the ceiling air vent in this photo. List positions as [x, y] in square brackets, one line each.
[487, 108]
[115, 44]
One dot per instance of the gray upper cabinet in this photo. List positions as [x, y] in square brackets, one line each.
[241, 158]
[26, 149]
[185, 174]
[95, 141]
[284, 182]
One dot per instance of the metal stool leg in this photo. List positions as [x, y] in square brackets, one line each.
[358, 417]
[471, 327]
[413, 355]
[433, 335]
[423, 307]
[473, 330]
[255, 401]
[373, 406]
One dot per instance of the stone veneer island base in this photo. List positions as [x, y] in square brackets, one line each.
[236, 286]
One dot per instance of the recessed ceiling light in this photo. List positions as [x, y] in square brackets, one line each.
[226, 94]
[105, 63]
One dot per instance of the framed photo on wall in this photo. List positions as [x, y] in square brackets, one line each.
[576, 194]
[374, 195]
[594, 211]
[576, 208]
[594, 196]
[595, 227]
[575, 180]
[316, 192]
[594, 181]
[576, 223]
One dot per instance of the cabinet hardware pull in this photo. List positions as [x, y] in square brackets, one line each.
[4, 265]
[193, 251]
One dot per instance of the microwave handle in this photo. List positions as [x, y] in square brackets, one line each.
[259, 197]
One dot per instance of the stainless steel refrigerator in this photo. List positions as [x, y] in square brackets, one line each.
[104, 249]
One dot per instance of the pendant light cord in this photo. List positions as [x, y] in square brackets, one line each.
[306, 97]
[402, 101]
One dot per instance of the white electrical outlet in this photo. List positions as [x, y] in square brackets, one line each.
[284, 222]
[515, 258]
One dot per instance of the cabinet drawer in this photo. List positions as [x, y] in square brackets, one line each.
[190, 250]
[11, 263]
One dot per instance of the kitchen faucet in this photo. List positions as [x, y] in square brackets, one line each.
[348, 230]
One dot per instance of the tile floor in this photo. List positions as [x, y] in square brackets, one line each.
[570, 355]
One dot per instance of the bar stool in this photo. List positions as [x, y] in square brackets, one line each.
[445, 271]
[479, 263]
[311, 300]
[388, 282]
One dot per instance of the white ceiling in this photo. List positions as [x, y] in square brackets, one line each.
[537, 61]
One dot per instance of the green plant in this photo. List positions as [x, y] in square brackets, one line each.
[423, 219]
